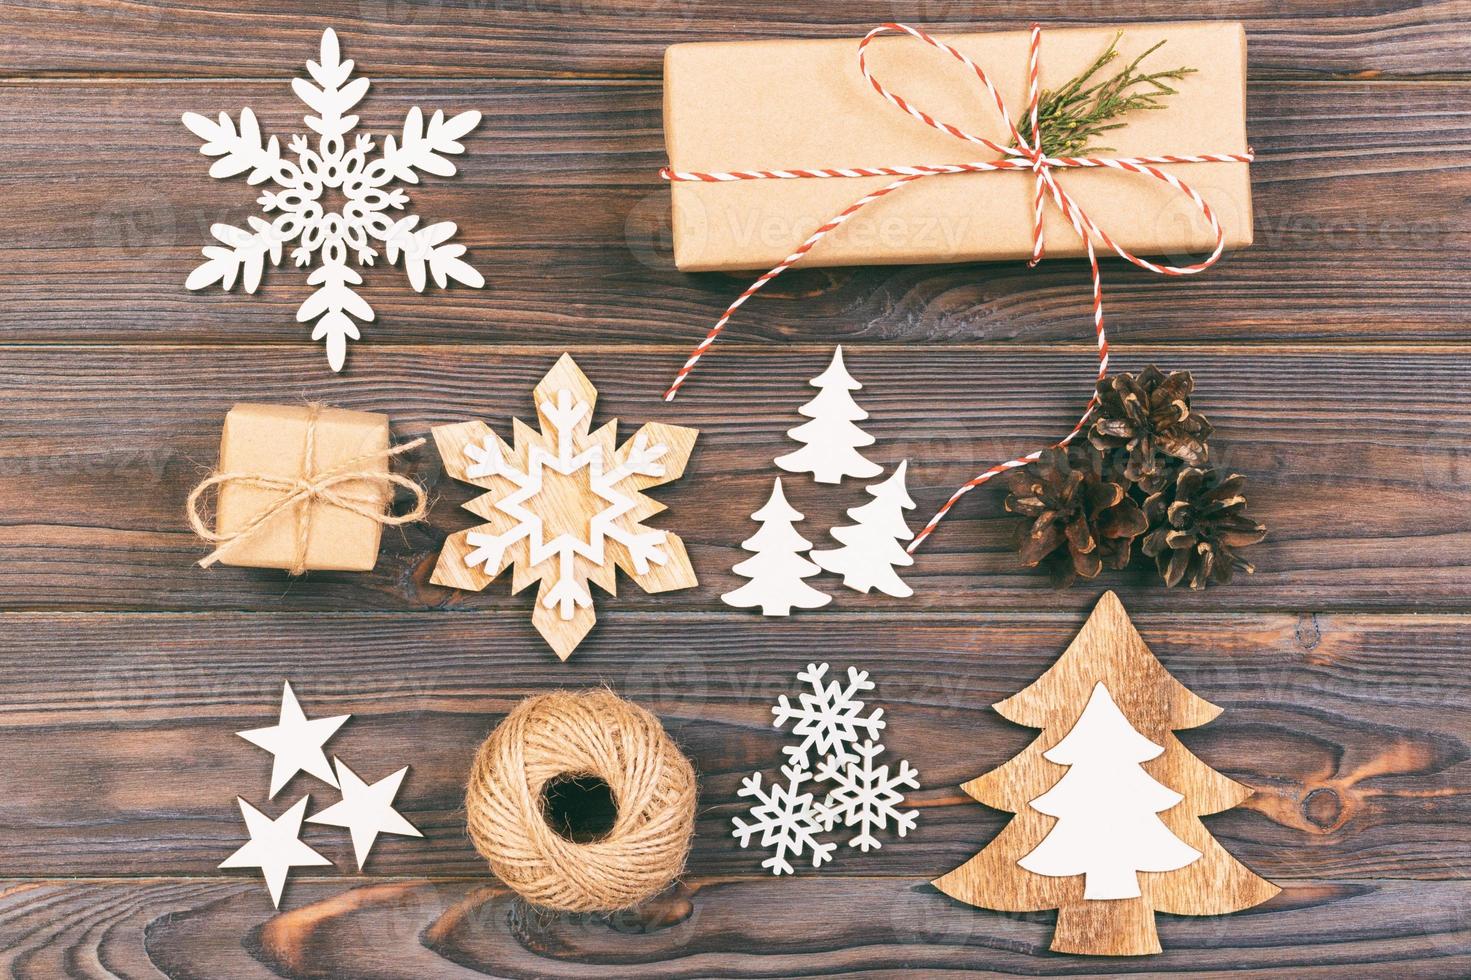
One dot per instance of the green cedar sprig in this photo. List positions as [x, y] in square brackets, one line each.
[1074, 115]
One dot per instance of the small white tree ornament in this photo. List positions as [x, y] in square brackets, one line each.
[777, 568]
[831, 440]
[871, 549]
[1106, 807]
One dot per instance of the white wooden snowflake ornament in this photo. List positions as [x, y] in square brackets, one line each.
[787, 820]
[830, 442]
[866, 796]
[565, 508]
[828, 717]
[334, 237]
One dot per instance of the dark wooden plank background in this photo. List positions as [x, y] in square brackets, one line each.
[1332, 356]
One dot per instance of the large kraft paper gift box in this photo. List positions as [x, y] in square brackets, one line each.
[778, 105]
[271, 441]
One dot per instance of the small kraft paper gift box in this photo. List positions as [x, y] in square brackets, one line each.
[302, 487]
[805, 105]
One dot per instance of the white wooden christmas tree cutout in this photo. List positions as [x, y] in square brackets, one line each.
[777, 568]
[296, 742]
[871, 549]
[565, 508]
[350, 233]
[366, 810]
[1106, 807]
[275, 846]
[831, 440]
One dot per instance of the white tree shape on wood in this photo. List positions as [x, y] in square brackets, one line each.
[831, 440]
[786, 819]
[828, 717]
[352, 231]
[871, 549]
[777, 568]
[565, 508]
[867, 797]
[1106, 807]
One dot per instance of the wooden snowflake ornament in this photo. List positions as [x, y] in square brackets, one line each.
[1107, 801]
[565, 507]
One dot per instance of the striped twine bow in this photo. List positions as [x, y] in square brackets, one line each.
[1019, 155]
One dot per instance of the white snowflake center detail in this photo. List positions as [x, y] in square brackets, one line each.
[565, 416]
[352, 232]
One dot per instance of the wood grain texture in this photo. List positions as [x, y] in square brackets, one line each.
[1358, 238]
[621, 37]
[1332, 356]
[1353, 730]
[1356, 461]
[874, 927]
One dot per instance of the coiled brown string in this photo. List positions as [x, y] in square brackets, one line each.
[310, 490]
[593, 733]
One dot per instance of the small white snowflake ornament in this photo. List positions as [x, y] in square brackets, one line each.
[871, 550]
[831, 440]
[867, 797]
[333, 236]
[777, 568]
[565, 507]
[828, 717]
[787, 819]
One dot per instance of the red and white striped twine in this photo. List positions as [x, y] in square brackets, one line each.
[1019, 155]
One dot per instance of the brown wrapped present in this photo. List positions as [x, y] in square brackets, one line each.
[785, 105]
[302, 487]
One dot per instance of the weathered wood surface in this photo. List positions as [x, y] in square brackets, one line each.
[1333, 357]
[1357, 462]
[1355, 730]
[891, 927]
[552, 38]
[1360, 230]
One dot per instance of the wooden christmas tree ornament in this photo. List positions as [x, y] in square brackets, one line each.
[565, 508]
[1107, 802]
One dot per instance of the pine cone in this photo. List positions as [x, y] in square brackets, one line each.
[1079, 516]
[1196, 523]
[1147, 417]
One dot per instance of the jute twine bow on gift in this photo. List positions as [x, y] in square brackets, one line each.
[308, 491]
[1020, 155]
[593, 733]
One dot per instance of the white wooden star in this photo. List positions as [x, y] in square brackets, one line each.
[366, 811]
[274, 846]
[296, 743]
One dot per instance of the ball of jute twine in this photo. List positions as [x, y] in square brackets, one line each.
[564, 735]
